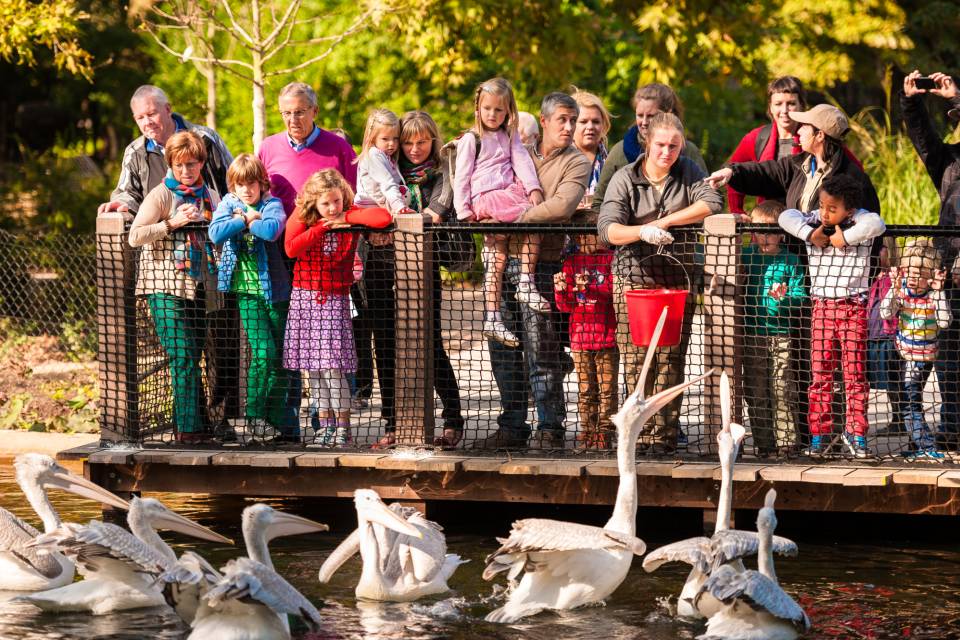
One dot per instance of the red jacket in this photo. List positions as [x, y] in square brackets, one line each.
[746, 151]
[593, 323]
[328, 272]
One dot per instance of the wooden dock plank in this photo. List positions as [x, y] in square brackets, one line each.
[869, 478]
[663, 469]
[571, 468]
[522, 467]
[440, 464]
[826, 475]
[283, 460]
[917, 476]
[602, 468]
[483, 465]
[158, 456]
[191, 458]
[232, 458]
[316, 460]
[397, 463]
[742, 472]
[79, 453]
[949, 479]
[359, 460]
[693, 470]
[111, 456]
[783, 472]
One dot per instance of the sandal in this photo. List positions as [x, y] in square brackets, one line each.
[387, 441]
[449, 440]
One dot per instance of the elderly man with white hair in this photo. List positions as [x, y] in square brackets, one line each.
[143, 165]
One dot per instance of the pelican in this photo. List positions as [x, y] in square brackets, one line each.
[404, 554]
[754, 605]
[120, 567]
[23, 568]
[726, 546]
[566, 565]
[250, 601]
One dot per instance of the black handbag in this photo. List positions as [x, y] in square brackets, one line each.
[454, 250]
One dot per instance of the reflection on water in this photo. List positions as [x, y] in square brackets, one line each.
[849, 591]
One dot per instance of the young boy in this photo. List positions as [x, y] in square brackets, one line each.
[917, 300]
[839, 237]
[584, 289]
[773, 296]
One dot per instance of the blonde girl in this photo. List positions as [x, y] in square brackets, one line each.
[498, 183]
[379, 183]
[319, 333]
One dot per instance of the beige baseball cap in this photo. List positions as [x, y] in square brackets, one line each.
[826, 118]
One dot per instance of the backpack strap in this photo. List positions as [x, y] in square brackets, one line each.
[763, 137]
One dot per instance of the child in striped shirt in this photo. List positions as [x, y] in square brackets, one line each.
[917, 300]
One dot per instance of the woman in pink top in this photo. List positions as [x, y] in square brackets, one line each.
[498, 183]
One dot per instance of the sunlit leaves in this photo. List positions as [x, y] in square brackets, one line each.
[54, 25]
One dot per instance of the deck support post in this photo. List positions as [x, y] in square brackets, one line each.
[414, 329]
[116, 332]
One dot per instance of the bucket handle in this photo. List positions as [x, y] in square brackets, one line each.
[661, 252]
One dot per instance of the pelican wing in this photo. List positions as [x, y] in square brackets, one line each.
[756, 591]
[254, 583]
[15, 536]
[98, 545]
[184, 581]
[693, 551]
[423, 557]
[733, 544]
[536, 535]
[344, 551]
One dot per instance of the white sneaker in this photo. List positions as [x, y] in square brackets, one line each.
[261, 431]
[323, 436]
[527, 294]
[341, 437]
[495, 330]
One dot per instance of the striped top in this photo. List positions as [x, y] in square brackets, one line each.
[920, 318]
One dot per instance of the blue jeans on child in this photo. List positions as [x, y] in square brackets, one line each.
[915, 375]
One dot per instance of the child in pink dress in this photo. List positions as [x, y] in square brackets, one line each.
[498, 183]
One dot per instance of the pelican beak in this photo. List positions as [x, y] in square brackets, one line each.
[737, 432]
[286, 524]
[78, 485]
[175, 522]
[383, 515]
[658, 401]
[725, 400]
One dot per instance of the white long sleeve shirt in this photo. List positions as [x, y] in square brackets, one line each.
[379, 183]
[837, 273]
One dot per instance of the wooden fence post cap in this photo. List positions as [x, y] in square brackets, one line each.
[720, 224]
[111, 223]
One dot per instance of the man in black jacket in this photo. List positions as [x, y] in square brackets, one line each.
[942, 162]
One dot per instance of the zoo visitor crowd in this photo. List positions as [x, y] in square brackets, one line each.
[269, 242]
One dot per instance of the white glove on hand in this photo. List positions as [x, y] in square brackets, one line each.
[652, 234]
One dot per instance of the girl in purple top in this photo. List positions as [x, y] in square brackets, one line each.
[498, 183]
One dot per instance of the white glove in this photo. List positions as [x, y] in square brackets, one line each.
[652, 234]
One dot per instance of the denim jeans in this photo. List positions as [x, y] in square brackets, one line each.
[540, 351]
[915, 376]
[948, 372]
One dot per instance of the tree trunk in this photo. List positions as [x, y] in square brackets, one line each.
[259, 104]
[211, 74]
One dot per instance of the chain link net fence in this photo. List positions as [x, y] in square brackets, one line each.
[400, 339]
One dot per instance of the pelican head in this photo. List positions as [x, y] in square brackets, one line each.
[36, 470]
[270, 523]
[159, 516]
[767, 517]
[732, 434]
[371, 509]
[637, 408]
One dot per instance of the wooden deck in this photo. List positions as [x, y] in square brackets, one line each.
[574, 481]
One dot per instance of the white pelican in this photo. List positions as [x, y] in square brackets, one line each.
[726, 545]
[24, 568]
[120, 567]
[754, 605]
[250, 601]
[566, 565]
[404, 554]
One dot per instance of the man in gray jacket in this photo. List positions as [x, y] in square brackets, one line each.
[143, 165]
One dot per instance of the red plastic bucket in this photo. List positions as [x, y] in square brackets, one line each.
[644, 307]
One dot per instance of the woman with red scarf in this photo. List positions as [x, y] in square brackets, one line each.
[177, 273]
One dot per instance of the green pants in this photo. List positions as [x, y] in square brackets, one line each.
[180, 328]
[267, 381]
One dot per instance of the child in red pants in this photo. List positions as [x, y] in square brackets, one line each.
[839, 237]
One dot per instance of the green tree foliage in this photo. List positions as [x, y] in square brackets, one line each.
[26, 25]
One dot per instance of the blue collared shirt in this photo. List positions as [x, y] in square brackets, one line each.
[306, 143]
[153, 145]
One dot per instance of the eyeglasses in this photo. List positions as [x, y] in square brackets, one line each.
[299, 113]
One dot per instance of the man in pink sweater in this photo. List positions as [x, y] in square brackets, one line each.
[304, 148]
[291, 157]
